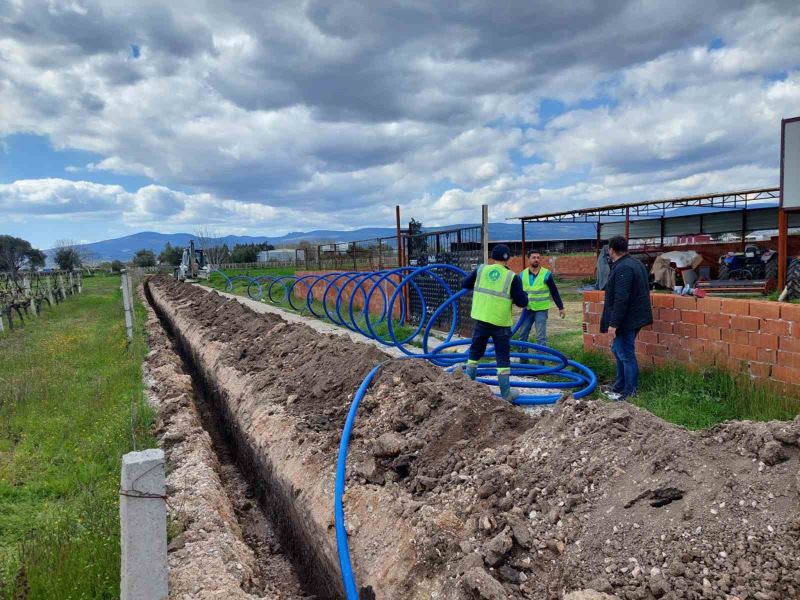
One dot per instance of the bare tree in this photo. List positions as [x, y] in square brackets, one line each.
[209, 241]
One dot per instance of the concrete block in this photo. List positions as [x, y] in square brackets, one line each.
[143, 520]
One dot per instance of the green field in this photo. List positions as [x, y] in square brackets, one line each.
[71, 403]
[693, 399]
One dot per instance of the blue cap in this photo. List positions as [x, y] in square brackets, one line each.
[501, 252]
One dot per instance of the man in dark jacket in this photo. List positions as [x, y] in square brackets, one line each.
[627, 309]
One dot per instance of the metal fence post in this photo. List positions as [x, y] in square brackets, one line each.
[485, 232]
[143, 526]
[126, 304]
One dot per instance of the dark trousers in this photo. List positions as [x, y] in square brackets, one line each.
[501, 337]
[624, 349]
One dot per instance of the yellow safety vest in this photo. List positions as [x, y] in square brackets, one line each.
[491, 297]
[538, 293]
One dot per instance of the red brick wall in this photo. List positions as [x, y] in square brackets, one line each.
[757, 337]
[565, 265]
[376, 302]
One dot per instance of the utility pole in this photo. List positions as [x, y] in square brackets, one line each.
[485, 232]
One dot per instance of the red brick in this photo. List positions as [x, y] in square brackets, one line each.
[660, 361]
[685, 303]
[709, 333]
[718, 349]
[776, 327]
[789, 359]
[765, 310]
[669, 340]
[648, 337]
[656, 350]
[697, 346]
[790, 312]
[647, 327]
[735, 336]
[718, 320]
[645, 360]
[760, 369]
[746, 323]
[743, 351]
[789, 343]
[669, 315]
[662, 327]
[596, 296]
[767, 356]
[594, 308]
[708, 305]
[640, 347]
[729, 306]
[695, 317]
[681, 354]
[786, 374]
[686, 329]
[764, 340]
[663, 300]
[587, 341]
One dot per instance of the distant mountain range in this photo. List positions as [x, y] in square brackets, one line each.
[124, 248]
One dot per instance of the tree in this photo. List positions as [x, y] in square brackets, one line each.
[68, 259]
[170, 255]
[245, 253]
[208, 241]
[144, 258]
[84, 256]
[116, 266]
[16, 253]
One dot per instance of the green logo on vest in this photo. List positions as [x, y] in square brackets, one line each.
[493, 275]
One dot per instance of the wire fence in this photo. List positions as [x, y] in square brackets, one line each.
[373, 254]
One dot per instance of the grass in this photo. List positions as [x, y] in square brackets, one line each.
[693, 399]
[71, 403]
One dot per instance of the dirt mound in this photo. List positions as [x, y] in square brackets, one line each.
[587, 496]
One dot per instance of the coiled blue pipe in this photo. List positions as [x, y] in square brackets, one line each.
[394, 288]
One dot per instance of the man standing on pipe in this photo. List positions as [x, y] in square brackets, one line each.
[494, 290]
[539, 284]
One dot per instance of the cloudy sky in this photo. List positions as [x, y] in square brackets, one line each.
[262, 117]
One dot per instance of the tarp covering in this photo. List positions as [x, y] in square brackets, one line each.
[663, 272]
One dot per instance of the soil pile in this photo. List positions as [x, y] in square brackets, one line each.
[589, 495]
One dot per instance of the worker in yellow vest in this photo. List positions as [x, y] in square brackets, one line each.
[495, 289]
[539, 285]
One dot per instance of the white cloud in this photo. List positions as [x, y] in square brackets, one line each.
[287, 114]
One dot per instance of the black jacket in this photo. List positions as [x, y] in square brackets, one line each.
[627, 303]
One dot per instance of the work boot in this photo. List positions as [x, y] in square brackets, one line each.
[472, 371]
[506, 391]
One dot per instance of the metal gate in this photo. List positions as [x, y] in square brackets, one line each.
[458, 247]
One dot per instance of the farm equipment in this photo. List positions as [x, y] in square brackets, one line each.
[754, 271]
[193, 264]
[755, 263]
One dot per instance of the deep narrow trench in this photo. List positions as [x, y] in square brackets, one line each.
[284, 557]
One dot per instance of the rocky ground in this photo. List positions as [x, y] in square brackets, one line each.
[587, 496]
[222, 545]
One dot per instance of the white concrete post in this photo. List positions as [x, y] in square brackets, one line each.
[131, 296]
[61, 286]
[80, 282]
[143, 520]
[50, 290]
[26, 285]
[2, 327]
[126, 304]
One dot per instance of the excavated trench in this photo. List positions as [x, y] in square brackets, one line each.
[285, 557]
[454, 495]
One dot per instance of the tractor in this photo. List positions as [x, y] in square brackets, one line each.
[193, 265]
[754, 263]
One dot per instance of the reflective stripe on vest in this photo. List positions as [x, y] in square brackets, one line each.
[491, 298]
[538, 293]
